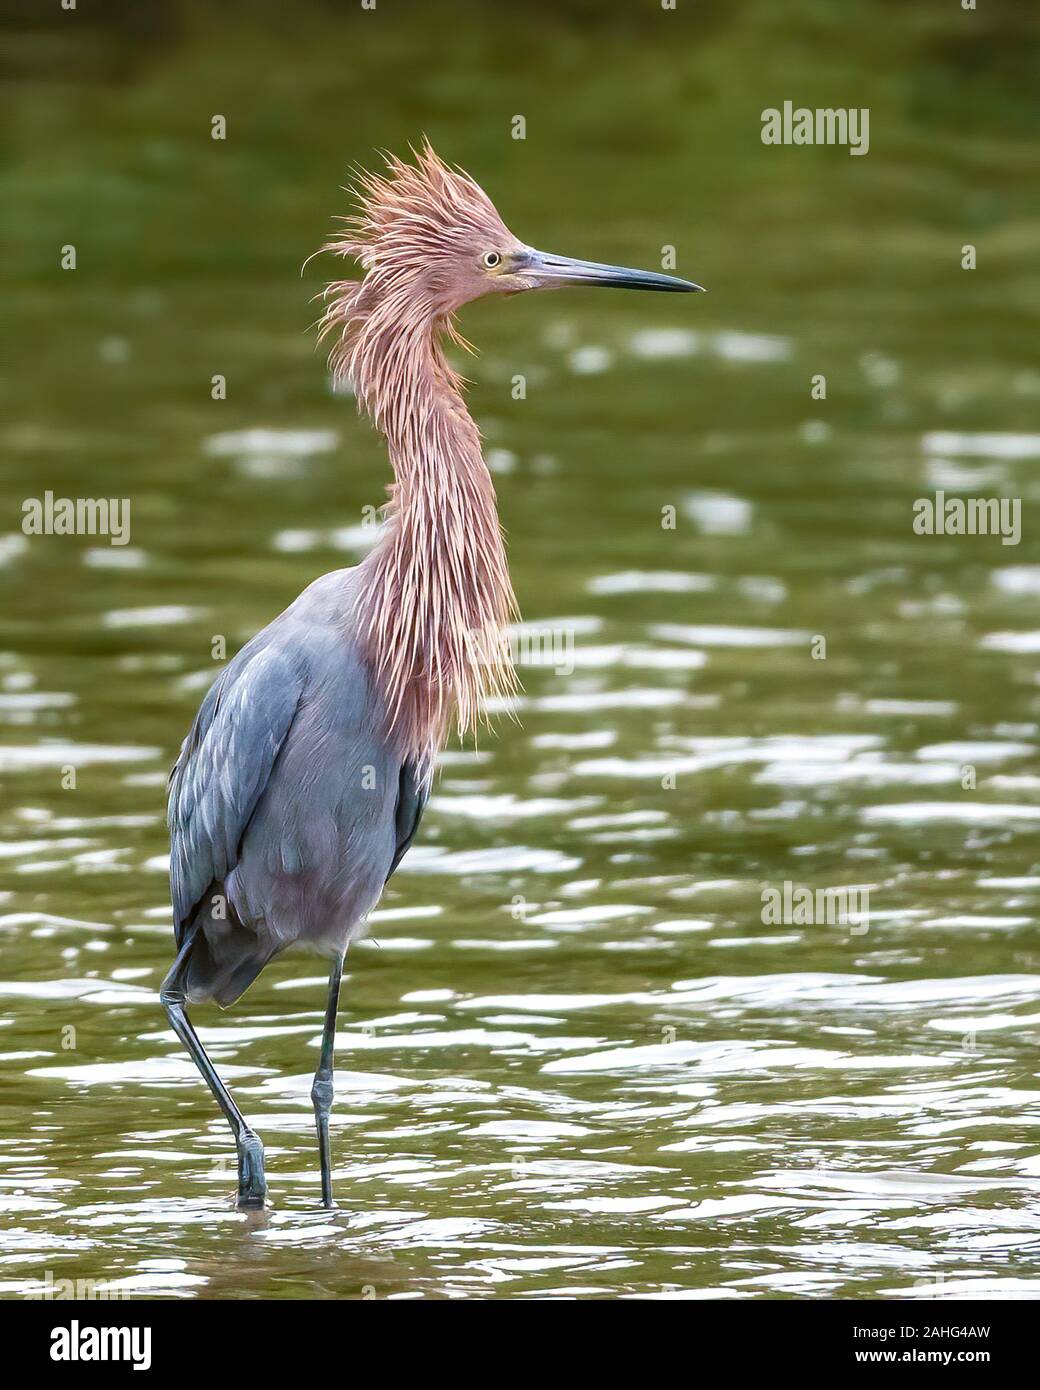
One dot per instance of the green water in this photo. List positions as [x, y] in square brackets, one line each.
[574, 1060]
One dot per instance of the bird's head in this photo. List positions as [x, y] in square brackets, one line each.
[431, 240]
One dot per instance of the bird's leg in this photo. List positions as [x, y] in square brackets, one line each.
[251, 1184]
[321, 1091]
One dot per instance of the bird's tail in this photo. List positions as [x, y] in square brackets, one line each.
[226, 956]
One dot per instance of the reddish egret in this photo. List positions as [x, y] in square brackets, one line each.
[305, 774]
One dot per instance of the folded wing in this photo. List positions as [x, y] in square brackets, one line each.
[224, 766]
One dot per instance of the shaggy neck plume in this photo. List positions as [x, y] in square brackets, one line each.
[435, 594]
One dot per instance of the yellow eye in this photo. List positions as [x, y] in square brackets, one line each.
[491, 259]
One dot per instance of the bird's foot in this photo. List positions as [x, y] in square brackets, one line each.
[252, 1186]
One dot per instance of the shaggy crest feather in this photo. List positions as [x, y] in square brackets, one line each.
[435, 596]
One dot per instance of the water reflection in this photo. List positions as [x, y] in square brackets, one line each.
[574, 1059]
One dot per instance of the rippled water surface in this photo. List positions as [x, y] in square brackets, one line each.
[575, 1056]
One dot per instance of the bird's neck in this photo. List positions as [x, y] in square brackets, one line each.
[435, 595]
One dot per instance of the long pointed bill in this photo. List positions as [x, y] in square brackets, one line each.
[547, 272]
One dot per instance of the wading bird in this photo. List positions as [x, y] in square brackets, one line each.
[304, 777]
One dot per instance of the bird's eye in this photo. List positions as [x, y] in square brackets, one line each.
[491, 259]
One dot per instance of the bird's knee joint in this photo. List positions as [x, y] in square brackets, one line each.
[321, 1092]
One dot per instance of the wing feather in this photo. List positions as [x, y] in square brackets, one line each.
[224, 766]
[412, 795]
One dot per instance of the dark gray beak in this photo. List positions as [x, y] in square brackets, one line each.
[546, 272]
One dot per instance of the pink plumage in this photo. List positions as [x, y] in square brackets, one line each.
[436, 595]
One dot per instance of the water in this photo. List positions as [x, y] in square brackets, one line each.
[573, 1059]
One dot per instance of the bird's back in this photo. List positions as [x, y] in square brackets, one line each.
[289, 806]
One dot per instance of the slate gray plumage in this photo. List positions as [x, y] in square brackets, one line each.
[288, 806]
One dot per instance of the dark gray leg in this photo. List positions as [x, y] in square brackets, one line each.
[321, 1091]
[251, 1186]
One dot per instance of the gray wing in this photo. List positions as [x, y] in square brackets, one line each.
[413, 792]
[223, 768]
